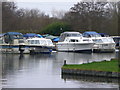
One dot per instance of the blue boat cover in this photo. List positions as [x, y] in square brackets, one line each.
[13, 33]
[40, 36]
[103, 34]
[91, 33]
[32, 35]
[56, 39]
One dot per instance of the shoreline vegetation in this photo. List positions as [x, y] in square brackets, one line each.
[97, 16]
[104, 68]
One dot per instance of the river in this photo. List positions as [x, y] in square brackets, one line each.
[44, 71]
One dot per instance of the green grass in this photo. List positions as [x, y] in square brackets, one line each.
[110, 66]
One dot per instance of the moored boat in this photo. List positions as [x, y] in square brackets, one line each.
[12, 42]
[39, 45]
[102, 44]
[74, 42]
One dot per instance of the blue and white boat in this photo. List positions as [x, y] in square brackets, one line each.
[102, 44]
[12, 42]
[39, 45]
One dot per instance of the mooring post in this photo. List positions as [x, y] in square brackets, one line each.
[21, 49]
[65, 62]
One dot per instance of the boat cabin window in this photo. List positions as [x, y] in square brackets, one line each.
[43, 42]
[1, 41]
[49, 42]
[75, 35]
[33, 42]
[110, 40]
[116, 39]
[95, 35]
[16, 36]
[91, 35]
[63, 36]
[37, 42]
[107, 40]
[21, 41]
[97, 40]
[86, 40]
[73, 40]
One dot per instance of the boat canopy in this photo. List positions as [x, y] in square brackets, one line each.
[14, 35]
[72, 34]
[104, 34]
[32, 35]
[53, 38]
[10, 36]
[48, 36]
[69, 34]
[91, 34]
[56, 39]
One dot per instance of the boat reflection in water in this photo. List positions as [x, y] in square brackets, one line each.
[44, 70]
[80, 58]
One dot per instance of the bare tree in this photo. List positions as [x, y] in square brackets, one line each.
[58, 13]
[97, 16]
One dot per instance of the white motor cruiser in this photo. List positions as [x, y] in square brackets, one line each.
[74, 42]
[102, 44]
[39, 45]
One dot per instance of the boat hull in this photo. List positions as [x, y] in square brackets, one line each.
[13, 49]
[74, 47]
[40, 49]
[105, 48]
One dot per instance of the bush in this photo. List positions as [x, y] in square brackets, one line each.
[56, 28]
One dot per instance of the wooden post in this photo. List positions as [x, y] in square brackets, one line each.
[21, 49]
[65, 62]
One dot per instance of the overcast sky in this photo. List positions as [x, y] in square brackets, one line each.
[47, 7]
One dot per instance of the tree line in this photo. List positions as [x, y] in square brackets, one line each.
[102, 17]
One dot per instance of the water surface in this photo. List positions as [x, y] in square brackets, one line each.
[44, 71]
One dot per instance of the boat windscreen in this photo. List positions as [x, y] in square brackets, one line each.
[74, 35]
[49, 42]
[95, 35]
[17, 36]
[97, 41]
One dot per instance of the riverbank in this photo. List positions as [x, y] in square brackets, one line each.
[104, 69]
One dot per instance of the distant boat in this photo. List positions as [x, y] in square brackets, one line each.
[102, 43]
[74, 42]
[12, 42]
[117, 41]
[39, 45]
[103, 34]
[53, 38]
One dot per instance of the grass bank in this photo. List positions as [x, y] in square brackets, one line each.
[109, 66]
